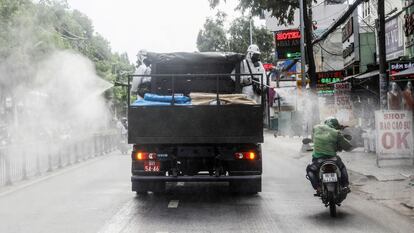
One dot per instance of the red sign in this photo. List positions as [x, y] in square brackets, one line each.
[287, 44]
[268, 66]
[288, 35]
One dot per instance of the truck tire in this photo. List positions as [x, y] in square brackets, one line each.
[246, 187]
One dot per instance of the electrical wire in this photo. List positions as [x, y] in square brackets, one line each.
[329, 52]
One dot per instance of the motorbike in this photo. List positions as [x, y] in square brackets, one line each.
[329, 176]
[123, 145]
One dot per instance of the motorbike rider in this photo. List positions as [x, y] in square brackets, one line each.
[141, 85]
[252, 65]
[328, 140]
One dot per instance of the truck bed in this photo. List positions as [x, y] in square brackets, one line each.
[218, 124]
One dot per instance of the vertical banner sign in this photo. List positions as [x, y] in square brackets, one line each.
[394, 39]
[394, 134]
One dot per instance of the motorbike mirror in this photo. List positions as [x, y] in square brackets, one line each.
[348, 137]
[306, 140]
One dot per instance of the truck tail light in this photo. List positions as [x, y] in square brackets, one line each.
[139, 155]
[245, 155]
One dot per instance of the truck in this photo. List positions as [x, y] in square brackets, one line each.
[214, 142]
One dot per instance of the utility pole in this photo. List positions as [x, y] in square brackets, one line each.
[302, 45]
[307, 18]
[251, 30]
[383, 81]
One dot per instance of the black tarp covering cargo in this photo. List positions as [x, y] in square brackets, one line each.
[194, 124]
[193, 63]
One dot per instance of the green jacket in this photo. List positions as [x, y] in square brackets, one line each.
[327, 141]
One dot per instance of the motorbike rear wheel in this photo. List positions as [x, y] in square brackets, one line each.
[332, 208]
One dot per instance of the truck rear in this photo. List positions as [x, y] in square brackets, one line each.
[217, 140]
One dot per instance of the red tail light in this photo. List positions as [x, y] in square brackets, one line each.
[139, 155]
[245, 155]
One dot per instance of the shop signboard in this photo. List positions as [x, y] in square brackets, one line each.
[394, 38]
[394, 134]
[398, 66]
[326, 79]
[343, 103]
[288, 44]
[409, 29]
[350, 40]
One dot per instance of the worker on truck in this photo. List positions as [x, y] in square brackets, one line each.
[141, 85]
[252, 65]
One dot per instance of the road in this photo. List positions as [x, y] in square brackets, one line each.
[95, 197]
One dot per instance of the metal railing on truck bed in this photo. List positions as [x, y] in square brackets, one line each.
[195, 124]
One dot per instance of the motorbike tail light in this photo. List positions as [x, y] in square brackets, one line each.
[139, 155]
[245, 155]
[329, 168]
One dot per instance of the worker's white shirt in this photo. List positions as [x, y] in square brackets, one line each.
[247, 79]
[136, 81]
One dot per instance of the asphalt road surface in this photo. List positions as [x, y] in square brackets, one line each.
[95, 197]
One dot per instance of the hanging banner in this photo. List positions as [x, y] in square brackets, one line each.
[394, 38]
[394, 134]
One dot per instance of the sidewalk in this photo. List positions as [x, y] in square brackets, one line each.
[392, 184]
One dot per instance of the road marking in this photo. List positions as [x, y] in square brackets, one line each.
[180, 183]
[173, 204]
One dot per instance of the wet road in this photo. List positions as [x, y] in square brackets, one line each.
[95, 197]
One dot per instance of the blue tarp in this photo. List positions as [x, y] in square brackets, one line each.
[178, 98]
[161, 100]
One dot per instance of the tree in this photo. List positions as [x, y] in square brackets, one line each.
[30, 30]
[282, 10]
[239, 38]
[213, 36]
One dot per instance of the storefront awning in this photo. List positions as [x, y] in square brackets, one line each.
[348, 77]
[407, 72]
[367, 75]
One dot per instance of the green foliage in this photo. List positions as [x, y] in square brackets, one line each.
[213, 36]
[30, 31]
[239, 38]
[282, 10]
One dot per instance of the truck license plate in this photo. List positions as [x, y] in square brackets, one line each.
[151, 166]
[329, 177]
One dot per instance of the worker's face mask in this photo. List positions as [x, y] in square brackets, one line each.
[146, 62]
[256, 59]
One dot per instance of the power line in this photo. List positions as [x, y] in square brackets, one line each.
[329, 52]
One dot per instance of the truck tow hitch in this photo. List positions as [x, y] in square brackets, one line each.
[218, 166]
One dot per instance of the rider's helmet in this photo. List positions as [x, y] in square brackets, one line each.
[333, 123]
